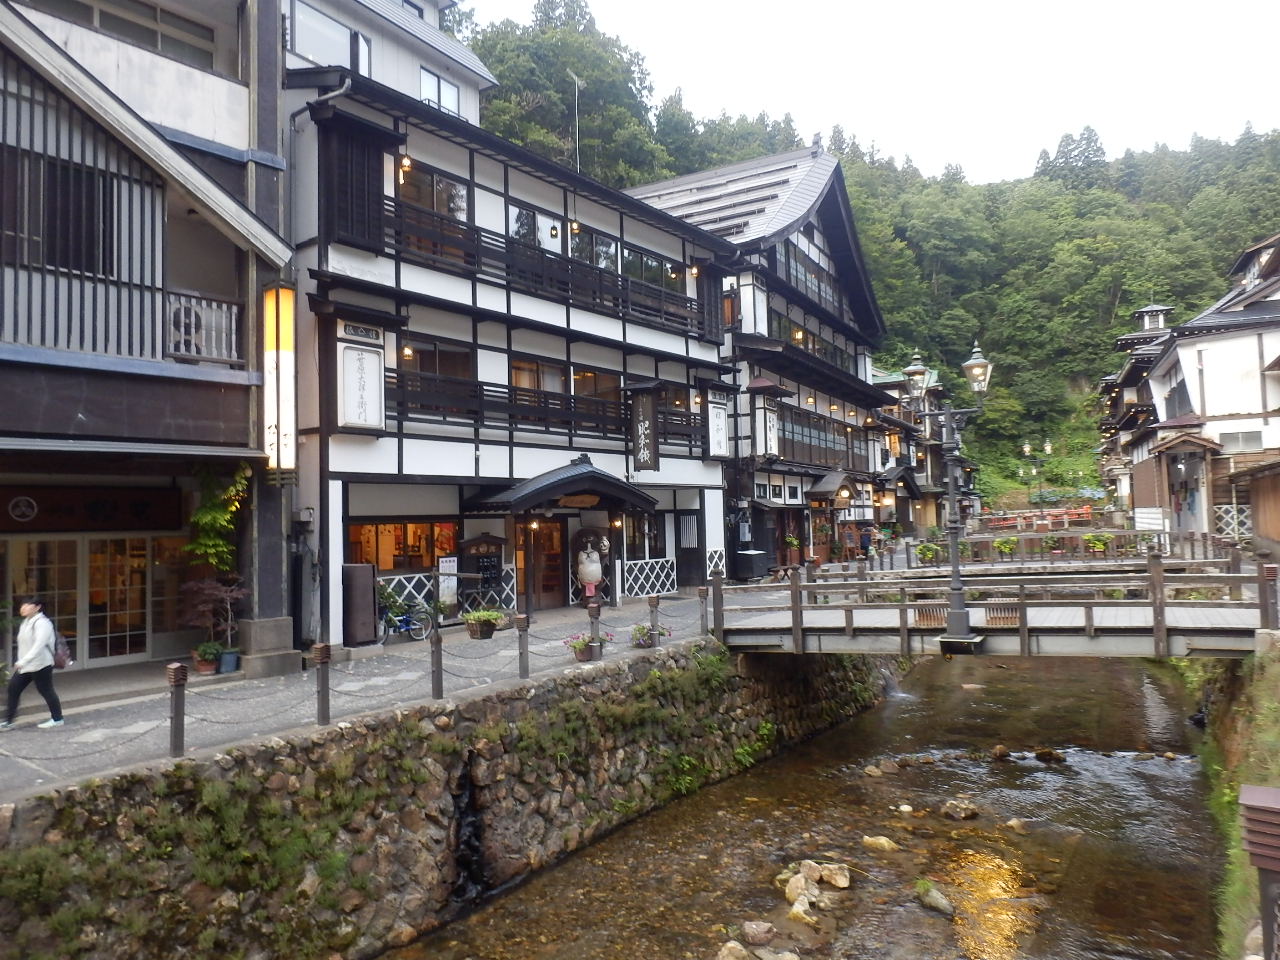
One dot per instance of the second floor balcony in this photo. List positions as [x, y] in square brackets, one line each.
[429, 398]
[423, 236]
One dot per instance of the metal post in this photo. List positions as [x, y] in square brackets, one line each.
[593, 617]
[522, 638]
[702, 610]
[797, 611]
[321, 654]
[176, 674]
[957, 615]
[1155, 586]
[653, 620]
[717, 604]
[437, 666]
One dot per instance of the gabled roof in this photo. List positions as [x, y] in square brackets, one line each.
[577, 476]
[62, 71]
[432, 36]
[758, 203]
[1242, 261]
[755, 200]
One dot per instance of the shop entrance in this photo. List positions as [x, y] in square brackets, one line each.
[540, 564]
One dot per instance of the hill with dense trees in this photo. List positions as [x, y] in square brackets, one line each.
[1044, 271]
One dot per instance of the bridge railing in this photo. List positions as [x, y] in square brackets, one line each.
[921, 604]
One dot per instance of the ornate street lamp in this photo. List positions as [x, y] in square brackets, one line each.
[1037, 469]
[977, 372]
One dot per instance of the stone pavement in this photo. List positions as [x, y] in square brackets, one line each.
[131, 729]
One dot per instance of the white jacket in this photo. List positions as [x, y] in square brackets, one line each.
[36, 637]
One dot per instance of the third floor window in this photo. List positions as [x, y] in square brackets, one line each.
[327, 42]
[141, 24]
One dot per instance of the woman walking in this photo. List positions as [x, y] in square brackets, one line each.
[36, 639]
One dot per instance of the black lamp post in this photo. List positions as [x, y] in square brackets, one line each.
[977, 372]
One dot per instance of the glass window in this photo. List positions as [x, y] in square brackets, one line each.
[117, 597]
[522, 224]
[449, 97]
[597, 383]
[550, 233]
[632, 263]
[412, 8]
[531, 374]
[429, 87]
[401, 546]
[320, 38]
[594, 248]
[646, 537]
[170, 565]
[434, 191]
[438, 357]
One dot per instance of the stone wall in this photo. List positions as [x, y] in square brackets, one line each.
[354, 838]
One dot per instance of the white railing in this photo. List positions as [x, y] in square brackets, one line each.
[643, 578]
[200, 328]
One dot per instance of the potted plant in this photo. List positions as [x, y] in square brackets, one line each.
[1052, 544]
[640, 636]
[210, 603]
[1005, 546]
[206, 655]
[481, 623]
[1097, 542]
[928, 552]
[584, 648]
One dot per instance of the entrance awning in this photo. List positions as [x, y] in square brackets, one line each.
[579, 480]
[826, 488]
[904, 476]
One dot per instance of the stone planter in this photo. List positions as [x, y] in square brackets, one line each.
[583, 654]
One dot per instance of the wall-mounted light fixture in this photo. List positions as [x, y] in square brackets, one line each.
[697, 398]
[844, 493]
[810, 400]
[407, 352]
[555, 231]
[575, 227]
[533, 524]
[405, 164]
[693, 271]
[279, 382]
[834, 407]
[617, 521]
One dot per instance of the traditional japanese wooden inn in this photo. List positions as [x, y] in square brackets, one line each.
[506, 368]
[800, 319]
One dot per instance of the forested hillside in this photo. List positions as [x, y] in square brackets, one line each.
[1044, 271]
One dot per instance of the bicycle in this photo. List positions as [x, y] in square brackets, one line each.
[410, 622]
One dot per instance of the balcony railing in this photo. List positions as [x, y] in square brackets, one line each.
[421, 397]
[200, 328]
[421, 235]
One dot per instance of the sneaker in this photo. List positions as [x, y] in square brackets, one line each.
[6, 724]
[49, 723]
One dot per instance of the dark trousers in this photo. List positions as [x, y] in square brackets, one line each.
[44, 683]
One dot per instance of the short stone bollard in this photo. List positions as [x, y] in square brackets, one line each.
[702, 610]
[522, 636]
[654, 633]
[176, 674]
[595, 646]
[321, 655]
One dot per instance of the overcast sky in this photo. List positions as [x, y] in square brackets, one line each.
[985, 84]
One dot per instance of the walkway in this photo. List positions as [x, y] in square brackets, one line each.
[133, 726]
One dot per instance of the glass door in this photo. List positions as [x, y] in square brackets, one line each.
[540, 564]
[48, 569]
[117, 591]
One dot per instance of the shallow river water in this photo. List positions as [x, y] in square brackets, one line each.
[1115, 857]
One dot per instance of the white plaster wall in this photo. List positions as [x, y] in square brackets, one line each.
[656, 339]
[595, 355]
[163, 91]
[436, 284]
[439, 458]
[535, 342]
[351, 453]
[489, 173]
[361, 265]
[532, 308]
[489, 211]
[650, 238]
[537, 192]
[330, 630]
[491, 334]
[596, 215]
[682, 473]
[401, 499]
[715, 513]
[602, 326]
[440, 322]
[491, 367]
[495, 460]
[440, 153]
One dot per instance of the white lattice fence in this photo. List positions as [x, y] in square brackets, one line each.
[413, 588]
[715, 561]
[499, 597]
[604, 589]
[643, 578]
[1234, 521]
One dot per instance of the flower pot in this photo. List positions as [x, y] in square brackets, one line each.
[229, 661]
[583, 653]
[480, 629]
[203, 666]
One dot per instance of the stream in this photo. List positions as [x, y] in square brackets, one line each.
[1111, 855]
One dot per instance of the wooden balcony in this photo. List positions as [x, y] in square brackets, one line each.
[423, 236]
[426, 398]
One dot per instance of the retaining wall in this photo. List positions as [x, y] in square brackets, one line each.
[355, 838]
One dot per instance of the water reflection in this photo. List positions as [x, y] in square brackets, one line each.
[1113, 859]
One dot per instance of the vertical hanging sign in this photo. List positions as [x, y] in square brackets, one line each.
[644, 438]
[279, 384]
[717, 423]
[360, 401]
[770, 426]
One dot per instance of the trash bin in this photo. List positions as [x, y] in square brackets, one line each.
[750, 564]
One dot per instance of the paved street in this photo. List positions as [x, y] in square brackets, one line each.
[103, 737]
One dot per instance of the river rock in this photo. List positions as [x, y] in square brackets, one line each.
[883, 844]
[958, 810]
[836, 874]
[1049, 755]
[810, 871]
[932, 898]
[871, 770]
[767, 954]
[904, 808]
[797, 888]
[1170, 755]
[800, 911]
[889, 766]
[999, 752]
[758, 932]
[733, 950]
[1017, 825]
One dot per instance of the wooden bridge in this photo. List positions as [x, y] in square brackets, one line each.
[1133, 608]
